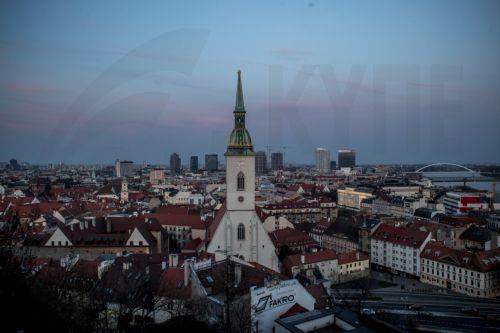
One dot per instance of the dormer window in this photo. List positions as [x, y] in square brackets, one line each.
[241, 181]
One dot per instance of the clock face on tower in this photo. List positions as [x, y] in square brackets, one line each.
[240, 198]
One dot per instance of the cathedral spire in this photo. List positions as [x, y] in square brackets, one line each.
[240, 105]
[240, 142]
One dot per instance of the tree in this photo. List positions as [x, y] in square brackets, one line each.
[241, 321]
[353, 294]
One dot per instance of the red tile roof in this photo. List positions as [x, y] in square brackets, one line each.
[172, 284]
[482, 261]
[216, 221]
[400, 236]
[288, 204]
[183, 220]
[177, 209]
[463, 221]
[310, 258]
[320, 295]
[192, 245]
[295, 309]
[291, 238]
[322, 226]
[353, 256]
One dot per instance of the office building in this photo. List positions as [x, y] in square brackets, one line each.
[322, 160]
[193, 164]
[346, 158]
[276, 161]
[456, 203]
[351, 198]
[157, 176]
[175, 164]
[124, 168]
[260, 162]
[14, 165]
[211, 162]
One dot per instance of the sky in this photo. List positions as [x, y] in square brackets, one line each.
[398, 81]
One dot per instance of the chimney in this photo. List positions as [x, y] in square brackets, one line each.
[302, 259]
[237, 274]
[164, 264]
[357, 256]
[108, 225]
[173, 260]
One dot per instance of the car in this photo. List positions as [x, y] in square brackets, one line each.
[425, 315]
[469, 310]
[416, 307]
[493, 319]
[367, 311]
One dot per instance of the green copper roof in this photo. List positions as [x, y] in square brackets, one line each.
[240, 142]
[240, 105]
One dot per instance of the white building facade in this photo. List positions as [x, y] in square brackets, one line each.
[398, 249]
[322, 160]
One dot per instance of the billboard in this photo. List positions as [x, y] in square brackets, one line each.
[270, 302]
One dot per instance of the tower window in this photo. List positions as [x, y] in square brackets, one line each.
[241, 181]
[241, 232]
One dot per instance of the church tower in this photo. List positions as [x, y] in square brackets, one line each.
[240, 160]
[240, 232]
[124, 191]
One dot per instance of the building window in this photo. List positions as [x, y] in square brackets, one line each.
[241, 181]
[241, 231]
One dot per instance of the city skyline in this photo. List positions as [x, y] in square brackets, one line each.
[83, 90]
[251, 167]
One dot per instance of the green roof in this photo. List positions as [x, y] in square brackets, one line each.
[240, 142]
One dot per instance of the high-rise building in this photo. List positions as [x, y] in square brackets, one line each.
[211, 162]
[124, 168]
[322, 160]
[276, 161]
[157, 176]
[260, 162]
[14, 165]
[117, 169]
[240, 232]
[193, 164]
[175, 164]
[346, 158]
